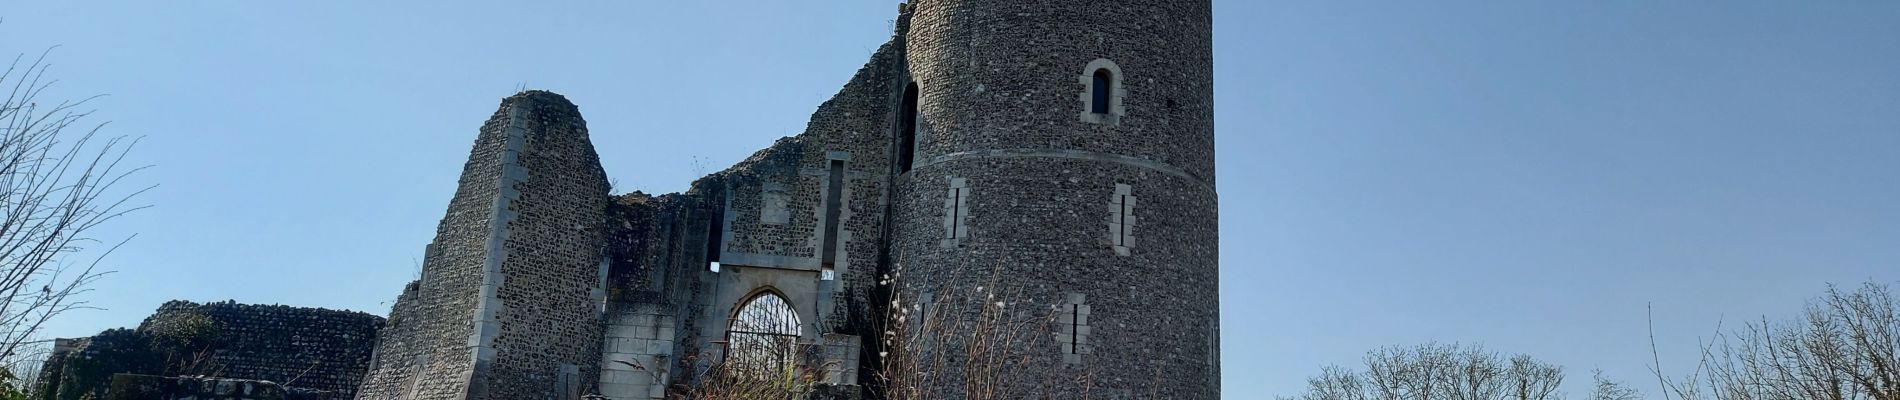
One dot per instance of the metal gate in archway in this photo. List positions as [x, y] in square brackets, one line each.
[762, 338]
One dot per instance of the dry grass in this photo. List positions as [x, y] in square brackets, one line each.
[972, 340]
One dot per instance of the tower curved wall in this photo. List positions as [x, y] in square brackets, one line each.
[1106, 223]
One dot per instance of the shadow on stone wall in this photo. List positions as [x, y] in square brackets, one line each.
[319, 352]
[152, 387]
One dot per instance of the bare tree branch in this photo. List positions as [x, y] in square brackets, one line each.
[60, 179]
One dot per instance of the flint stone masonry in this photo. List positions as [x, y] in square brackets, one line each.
[510, 302]
[323, 351]
[148, 387]
[539, 284]
[999, 82]
[307, 348]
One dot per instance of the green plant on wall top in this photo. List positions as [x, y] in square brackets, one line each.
[186, 330]
[11, 387]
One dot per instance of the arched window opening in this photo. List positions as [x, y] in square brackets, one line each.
[762, 338]
[907, 130]
[1102, 92]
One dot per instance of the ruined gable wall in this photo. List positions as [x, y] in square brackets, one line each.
[507, 306]
[423, 353]
[554, 263]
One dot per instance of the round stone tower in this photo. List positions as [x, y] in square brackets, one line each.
[1061, 157]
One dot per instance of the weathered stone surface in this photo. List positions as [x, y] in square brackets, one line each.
[150, 387]
[509, 303]
[310, 348]
[540, 285]
[998, 83]
[967, 157]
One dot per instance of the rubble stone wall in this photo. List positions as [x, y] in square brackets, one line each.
[323, 351]
[510, 300]
[311, 348]
[424, 351]
[550, 293]
[538, 281]
[149, 387]
[1001, 84]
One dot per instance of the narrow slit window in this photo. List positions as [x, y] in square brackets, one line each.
[834, 210]
[715, 237]
[1075, 313]
[956, 211]
[1072, 330]
[907, 130]
[1102, 92]
[1121, 219]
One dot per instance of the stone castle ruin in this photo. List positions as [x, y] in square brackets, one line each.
[313, 352]
[1058, 151]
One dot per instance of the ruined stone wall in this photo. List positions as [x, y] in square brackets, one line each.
[325, 351]
[1014, 182]
[1008, 144]
[805, 217]
[548, 337]
[312, 348]
[659, 271]
[766, 220]
[510, 298]
[424, 351]
[638, 352]
[852, 129]
[149, 387]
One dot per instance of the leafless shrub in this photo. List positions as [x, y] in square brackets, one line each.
[1604, 388]
[59, 181]
[969, 340]
[1844, 346]
[1439, 371]
[746, 381]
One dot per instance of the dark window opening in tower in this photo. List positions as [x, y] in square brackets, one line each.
[907, 130]
[1075, 328]
[1104, 85]
[1121, 218]
[957, 210]
[762, 338]
[715, 236]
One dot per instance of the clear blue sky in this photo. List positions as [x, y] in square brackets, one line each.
[1523, 174]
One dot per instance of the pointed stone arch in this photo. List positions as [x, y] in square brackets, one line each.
[763, 333]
